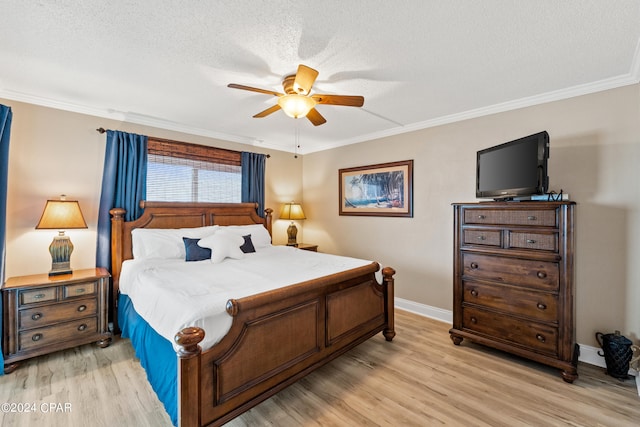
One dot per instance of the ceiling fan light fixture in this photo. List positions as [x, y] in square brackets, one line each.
[295, 105]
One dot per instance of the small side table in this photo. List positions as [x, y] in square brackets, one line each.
[307, 247]
[43, 313]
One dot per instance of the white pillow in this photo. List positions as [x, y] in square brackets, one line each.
[223, 245]
[148, 243]
[259, 234]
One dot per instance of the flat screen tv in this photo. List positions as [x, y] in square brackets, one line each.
[515, 169]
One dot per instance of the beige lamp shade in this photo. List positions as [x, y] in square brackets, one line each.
[292, 211]
[61, 215]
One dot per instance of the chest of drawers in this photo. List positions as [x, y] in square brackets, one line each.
[513, 280]
[42, 313]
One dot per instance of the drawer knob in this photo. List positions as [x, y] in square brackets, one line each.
[481, 238]
[541, 306]
[82, 307]
[531, 241]
[474, 320]
[481, 217]
[38, 296]
[474, 265]
[531, 218]
[541, 274]
[80, 290]
[36, 316]
[474, 292]
[82, 327]
[36, 337]
[540, 338]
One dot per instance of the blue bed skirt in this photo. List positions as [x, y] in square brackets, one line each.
[156, 355]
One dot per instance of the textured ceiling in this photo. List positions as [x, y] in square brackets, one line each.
[417, 63]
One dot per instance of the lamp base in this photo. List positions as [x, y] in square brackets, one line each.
[60, 250]
[292, 233]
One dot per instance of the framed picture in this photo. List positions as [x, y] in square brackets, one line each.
[377, 190]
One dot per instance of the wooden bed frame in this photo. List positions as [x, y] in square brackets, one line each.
[276, 337]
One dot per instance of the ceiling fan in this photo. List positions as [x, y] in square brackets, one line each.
[297, 100]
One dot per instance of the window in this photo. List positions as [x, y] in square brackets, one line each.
[181, 172]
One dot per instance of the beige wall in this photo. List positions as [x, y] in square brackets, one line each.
[55, 152]
[595, 157]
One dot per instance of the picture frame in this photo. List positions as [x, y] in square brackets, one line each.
[385, 189]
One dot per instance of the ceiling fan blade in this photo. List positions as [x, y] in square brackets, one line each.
[315, 117]
[349, 101]
[305, 76]
[267, 111]
[254, 89]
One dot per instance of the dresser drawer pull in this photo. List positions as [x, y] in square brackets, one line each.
[481, 217]
[82, 327]
[541, 306]
[82, 307]
[474, 265]
[80, 290]
[541, 274]
[530, 241]
[36, 337]
[540, 338]
[481, 238]
[474, 320]
[39, 296]
[36, 316]
[531, 218]
[474, 292]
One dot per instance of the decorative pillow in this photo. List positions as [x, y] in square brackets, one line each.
[259, 235]
[223, 245]
[194, 251]
[162, 243]
[247, 247]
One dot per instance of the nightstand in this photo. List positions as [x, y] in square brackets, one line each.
[307, 247]
[43, 313]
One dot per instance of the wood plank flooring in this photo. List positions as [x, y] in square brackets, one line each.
[420, 379]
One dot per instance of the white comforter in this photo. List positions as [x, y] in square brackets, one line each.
[173, 294]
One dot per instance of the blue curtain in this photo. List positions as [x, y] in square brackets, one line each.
[253, 166]
[124, 185]
[5, 128]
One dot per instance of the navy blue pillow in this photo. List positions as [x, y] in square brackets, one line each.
[195, 252]
[247, 246]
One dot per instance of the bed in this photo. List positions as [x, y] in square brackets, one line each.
[276, 337]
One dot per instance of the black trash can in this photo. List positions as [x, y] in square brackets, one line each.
[617, 353]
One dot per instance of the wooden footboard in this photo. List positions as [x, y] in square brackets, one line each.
[278, 337]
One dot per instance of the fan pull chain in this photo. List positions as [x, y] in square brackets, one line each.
[297, 141]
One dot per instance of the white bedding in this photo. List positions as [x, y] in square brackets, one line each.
[171, 294]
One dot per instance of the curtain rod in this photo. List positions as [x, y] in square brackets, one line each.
[103, 130]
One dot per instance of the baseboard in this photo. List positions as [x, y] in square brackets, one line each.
[588, 354]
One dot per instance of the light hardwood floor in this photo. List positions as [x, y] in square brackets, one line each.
[420, 379]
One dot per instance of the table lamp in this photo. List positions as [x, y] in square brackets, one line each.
[61, 215]
[292, 211]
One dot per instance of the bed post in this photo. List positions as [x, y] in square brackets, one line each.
[389, 332]
[189, 376]
[117, 221]
[268, 219]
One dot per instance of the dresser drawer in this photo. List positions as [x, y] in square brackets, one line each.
[539, 241]
[530, 273]
[541, 217]
[482, 237]
[539, 306]
[79, 290]
[527, 334]
[37, 296]
[42, 316]
[55, 334]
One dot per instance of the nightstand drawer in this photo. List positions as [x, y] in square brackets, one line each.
[37, 296]
[37, 338]
[42, 316]
[79, 290]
